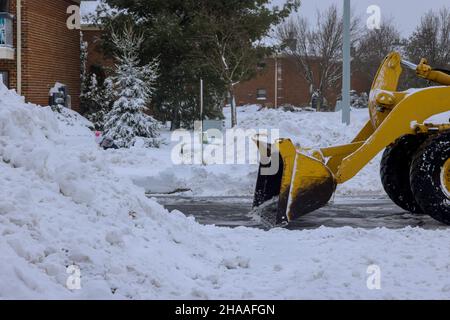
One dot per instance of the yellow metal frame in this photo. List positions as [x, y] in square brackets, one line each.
[393, 115]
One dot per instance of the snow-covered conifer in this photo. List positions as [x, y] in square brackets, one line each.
[134, 86]
[98, 99]
[83, 57]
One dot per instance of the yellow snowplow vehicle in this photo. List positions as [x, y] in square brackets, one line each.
[415, 168]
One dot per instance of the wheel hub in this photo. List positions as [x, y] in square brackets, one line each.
[445, 178]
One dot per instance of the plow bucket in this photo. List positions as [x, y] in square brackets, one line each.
[290, 183]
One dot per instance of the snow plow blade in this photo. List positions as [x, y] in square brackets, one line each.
[290, 184]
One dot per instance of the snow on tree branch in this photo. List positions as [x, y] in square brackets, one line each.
[127, 122]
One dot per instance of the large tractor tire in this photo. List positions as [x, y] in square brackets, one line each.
[430, 177]
[395, 171]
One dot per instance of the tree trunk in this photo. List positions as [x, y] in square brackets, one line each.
[233, 107]
[319, 101]
[175, 124]
[319, 104]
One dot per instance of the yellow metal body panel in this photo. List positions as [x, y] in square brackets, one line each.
[311, 187]
[386, 80]
[335, 159]
[341, 150]
[425, 71]
[288, 153]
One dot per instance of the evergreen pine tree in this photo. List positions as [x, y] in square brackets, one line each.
[189, 36]
[98, 100]
[83, 58]
[134, 85]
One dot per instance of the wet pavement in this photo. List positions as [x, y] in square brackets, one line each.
[361, 212]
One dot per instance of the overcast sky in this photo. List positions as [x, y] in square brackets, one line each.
[405, 13]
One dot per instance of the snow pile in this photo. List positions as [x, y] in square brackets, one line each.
[61, 205]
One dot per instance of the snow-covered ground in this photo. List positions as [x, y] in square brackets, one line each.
[154, 170]
[62, 203]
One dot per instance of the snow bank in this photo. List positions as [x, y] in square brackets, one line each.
[61, 204]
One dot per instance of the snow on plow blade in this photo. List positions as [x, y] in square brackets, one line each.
[290, 183]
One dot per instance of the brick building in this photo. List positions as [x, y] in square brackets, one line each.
[37, 49]
[281, 82]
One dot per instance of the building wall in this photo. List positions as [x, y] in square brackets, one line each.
[292, 87]
[246, 92]
[50, 51]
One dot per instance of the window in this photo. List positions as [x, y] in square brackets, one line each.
[261, 94]
[4, 5]
[261, 66]
[280, 71]
[6, 29]
[4, 77]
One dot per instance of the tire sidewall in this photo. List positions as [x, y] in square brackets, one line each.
[426, 181]
[395, 171]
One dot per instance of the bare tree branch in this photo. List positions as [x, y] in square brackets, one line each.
[317, 48]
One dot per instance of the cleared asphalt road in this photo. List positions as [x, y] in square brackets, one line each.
[362, 212]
